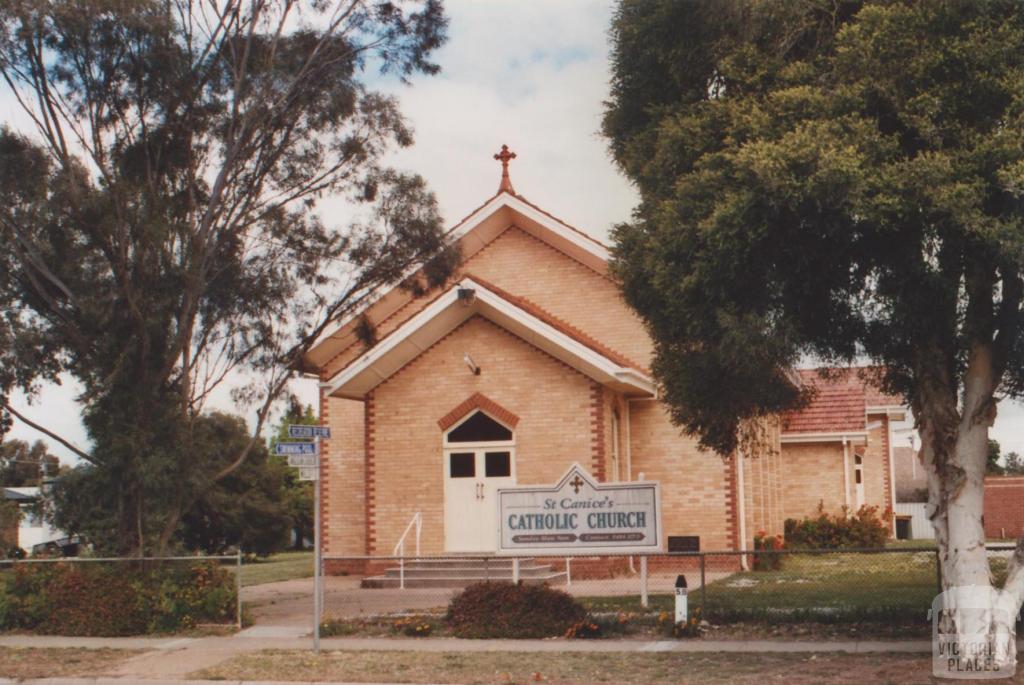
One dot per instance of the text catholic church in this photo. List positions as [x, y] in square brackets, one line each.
[527, 361]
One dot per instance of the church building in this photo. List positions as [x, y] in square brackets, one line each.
[527, 361]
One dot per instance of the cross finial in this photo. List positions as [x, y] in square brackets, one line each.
[505, 156]
[577, 483]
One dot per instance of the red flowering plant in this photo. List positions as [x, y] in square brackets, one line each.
[764, 541]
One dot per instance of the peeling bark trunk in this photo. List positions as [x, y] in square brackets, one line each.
[954, 446]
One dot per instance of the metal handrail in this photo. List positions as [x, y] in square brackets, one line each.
[399, 551]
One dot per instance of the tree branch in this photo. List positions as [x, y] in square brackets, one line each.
[45, 431]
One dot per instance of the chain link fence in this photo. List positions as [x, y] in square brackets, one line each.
[888, 585]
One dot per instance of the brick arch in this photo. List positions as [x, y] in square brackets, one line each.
[472, 403]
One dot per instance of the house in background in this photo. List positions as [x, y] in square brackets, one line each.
[837, 451]
[528, 360]
[33, 530]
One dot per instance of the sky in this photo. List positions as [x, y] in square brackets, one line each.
[532, 74]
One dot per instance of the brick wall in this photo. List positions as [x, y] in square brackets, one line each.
[813, 474]
[343, 469]
[555, 405]
[693, 483]
[553, 282]
[763, 487]
[1004, 507]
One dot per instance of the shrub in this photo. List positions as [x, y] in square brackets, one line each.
[865, 529]
[504, 610]
[97, 599]
[767, 562]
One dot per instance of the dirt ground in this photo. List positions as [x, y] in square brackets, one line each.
[580, 669]
[52, 663]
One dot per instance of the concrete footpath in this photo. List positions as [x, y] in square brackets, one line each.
[171, 660]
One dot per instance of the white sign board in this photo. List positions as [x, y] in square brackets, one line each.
[303, 460]
[309, 472]
[578, 515]
[301, 430]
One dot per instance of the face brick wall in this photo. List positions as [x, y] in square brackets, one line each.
[1004, 507]
[814, 473]
[763, 488]
[552, 401]
[343, 473]
[693, 483]
[553, 282]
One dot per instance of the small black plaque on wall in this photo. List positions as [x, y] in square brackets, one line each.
[683, 543]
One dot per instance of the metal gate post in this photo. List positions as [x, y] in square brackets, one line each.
[643, 582]
[703, 584]
[238, 589]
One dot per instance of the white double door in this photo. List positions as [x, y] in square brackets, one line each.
[472, 476]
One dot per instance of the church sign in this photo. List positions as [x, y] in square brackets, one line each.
[578, 515]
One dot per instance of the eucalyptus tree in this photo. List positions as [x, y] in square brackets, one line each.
[839, 180]
[163, 229]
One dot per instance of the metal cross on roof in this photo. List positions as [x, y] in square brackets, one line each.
[505, 156]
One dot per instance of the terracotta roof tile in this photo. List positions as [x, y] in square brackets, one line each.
[839, 402]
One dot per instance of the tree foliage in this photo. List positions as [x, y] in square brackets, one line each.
[161, 228]
[834, 180]
[823, 178]
[23, 465]
[298, 493]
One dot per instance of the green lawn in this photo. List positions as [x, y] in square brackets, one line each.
[830, 588]
[278, 567]
[826, 588]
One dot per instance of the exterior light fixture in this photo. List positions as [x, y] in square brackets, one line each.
[471, 364]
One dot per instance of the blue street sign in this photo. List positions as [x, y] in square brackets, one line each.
[298, 430]
[283, 448]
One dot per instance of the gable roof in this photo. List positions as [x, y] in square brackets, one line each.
[841, 403]
[471, 297]
[472, 234]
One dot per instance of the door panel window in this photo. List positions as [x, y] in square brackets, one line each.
[462, 465]
[497, 464]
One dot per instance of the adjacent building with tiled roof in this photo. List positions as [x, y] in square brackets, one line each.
[847, 424]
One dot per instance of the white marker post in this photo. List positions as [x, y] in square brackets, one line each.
[309, 469]
[682, 601]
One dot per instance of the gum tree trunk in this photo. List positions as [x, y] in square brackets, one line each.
[954, 443]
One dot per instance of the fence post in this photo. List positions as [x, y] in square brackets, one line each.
[568, 572]
[703, 585]
[238, 588]
[515, 571]
[643, 581]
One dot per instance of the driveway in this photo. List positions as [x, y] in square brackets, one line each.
[290, 602]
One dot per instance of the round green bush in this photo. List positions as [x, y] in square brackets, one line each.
[504, 610]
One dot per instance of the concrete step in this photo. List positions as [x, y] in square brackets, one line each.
[489, 562]
[468, 572]
[388, 581]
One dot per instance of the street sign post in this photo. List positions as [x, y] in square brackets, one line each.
[306, 457]
[286, 448]
[304, 431]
